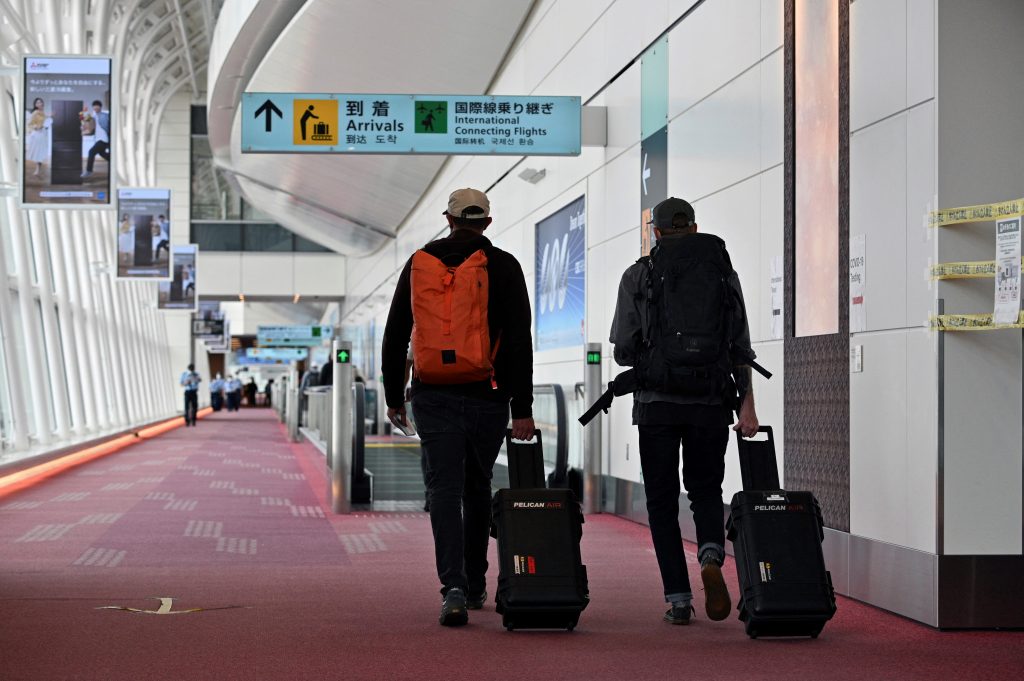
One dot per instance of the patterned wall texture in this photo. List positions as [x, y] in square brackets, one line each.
[817, 379]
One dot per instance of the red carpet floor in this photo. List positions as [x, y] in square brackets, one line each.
[230, 518]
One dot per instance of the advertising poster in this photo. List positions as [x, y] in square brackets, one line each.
[1007, 308]
[144, 233]
[67, 132]
[180, 292]
[561, 277]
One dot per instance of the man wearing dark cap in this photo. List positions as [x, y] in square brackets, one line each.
[681, 322]
[461, 421]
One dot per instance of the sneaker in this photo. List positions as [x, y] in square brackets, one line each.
[453, 610]
[679, 614]
[476, 602]
[85, 173]
[716, 594]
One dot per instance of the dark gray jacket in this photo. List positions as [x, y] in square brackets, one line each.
[627, 331]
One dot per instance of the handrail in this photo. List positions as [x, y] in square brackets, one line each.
[561, 472]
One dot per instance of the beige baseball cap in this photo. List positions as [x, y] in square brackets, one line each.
[462, 202]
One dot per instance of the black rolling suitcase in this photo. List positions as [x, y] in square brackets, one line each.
[542, 582]
[785, 589]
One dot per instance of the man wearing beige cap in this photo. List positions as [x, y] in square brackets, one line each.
[464, 305]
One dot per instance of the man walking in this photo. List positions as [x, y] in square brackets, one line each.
[681, 322]
[101, 146]
[191, 380]
[465, 306]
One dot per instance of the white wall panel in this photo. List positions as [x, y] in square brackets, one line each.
[878, 194]
[266, 275]
[716, 143]
[920, 50]
[922, 438]
[878, 439]
[622, 197]
[772, 110]
[717, 42]
[220, 274]
[758, 291]
[319, 275]
[623, 101]
[773, 24]
[878, 60]
[921, 180]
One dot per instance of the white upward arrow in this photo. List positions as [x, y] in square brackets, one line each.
[646, 174]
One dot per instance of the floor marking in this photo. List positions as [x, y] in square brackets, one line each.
[308, 512]
[181, 505]
[403, 445]
[204, 472]
[166, 603]
[293, 476]
[21, 505]
[362, 543]
[245, 491]
[222, 484]
[204, 528]
[150, 481]
[71, 496]
[388, 527]
[116, 486]
[100, 519]
[45, 533]
[237, 545]
[123, 467]
[159, 496]
[274, 501]
[97, 557]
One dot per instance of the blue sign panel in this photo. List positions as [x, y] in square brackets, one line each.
[561, 277]
[308, 123]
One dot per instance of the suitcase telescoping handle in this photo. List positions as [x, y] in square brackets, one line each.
[758, 467]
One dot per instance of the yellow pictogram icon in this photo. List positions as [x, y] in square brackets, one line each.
[315, 121]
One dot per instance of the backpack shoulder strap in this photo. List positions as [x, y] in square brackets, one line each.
[646, 297]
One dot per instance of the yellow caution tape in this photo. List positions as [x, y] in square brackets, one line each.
[965, 270]
[971, 322]
[990, 211]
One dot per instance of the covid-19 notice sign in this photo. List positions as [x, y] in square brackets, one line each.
[68, 132]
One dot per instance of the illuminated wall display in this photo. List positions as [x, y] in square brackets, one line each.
[180, 292]
[143, 233]
[68, 132]
[816, 284]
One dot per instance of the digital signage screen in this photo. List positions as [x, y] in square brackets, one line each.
[68, 132]
[144, 233]
[180, 292]
[561, 277]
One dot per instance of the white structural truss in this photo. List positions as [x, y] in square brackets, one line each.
[81, 354]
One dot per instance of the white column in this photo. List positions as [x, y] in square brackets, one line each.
[126, 336]
[71, 363]
[54, 352]
[83, 360]
[114, 368]
[37, 378]
[96, 387]
[144, 343]
[15, 376]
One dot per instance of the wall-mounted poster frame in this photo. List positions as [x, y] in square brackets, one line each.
[180, 292]
[143, 233]
[561, 277]
[62, 130]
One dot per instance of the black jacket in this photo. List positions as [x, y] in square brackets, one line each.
[508, 316]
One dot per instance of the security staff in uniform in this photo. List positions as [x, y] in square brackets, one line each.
[190, 379]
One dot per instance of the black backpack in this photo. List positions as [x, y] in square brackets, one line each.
[686, 311]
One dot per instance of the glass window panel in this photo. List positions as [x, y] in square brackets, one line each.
[21, 356]
[217, 236]
[267, 238]
[307, 246]
[47, 366]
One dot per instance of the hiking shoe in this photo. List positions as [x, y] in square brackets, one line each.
[716, 594]
[476, 602]
[453, 610]
[679, 614]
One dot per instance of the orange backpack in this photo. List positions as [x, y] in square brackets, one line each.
[451, 340]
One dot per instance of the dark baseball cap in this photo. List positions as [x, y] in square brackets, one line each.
[663, 213]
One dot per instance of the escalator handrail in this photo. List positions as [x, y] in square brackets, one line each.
[358, 432]
[561, 423]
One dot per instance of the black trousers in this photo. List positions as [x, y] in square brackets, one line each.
[703, 472]
[100, 148]
[461, 437]
[191, 406]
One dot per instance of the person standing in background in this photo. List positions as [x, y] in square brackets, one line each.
[190, 379]
[217, 393]
[250, 392]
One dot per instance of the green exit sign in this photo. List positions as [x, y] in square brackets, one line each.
[344, 357]
[593, 358]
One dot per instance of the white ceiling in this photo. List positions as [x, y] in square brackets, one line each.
[354, 204]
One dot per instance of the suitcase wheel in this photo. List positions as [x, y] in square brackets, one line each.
[509, 627]
[571, 627]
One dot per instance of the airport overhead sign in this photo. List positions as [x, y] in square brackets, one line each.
[292, 336]
[333, 123]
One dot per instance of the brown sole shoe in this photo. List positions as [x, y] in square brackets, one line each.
[716, 596]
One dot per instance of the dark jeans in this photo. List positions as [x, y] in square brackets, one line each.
[101, 148]
[461, 437]
[191, 406]
[703, 472]
[216, 401]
